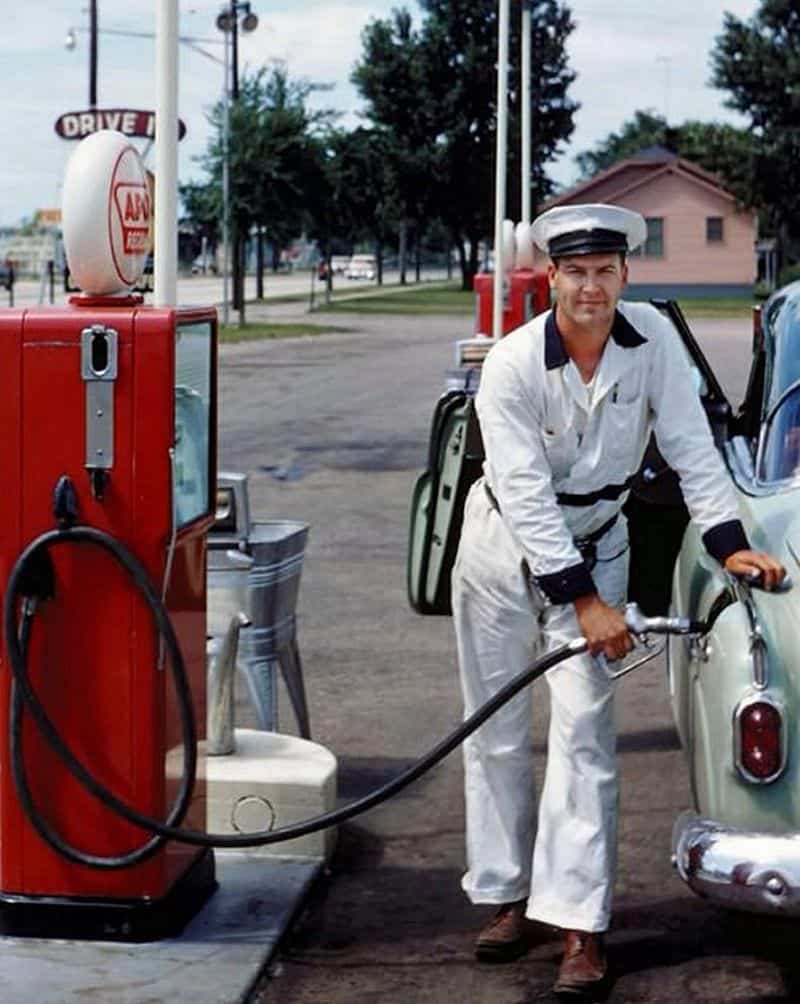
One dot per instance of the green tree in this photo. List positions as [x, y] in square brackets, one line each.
[716, 147]
[433, 91]
[724, 150]
[392, 76]
[364, 189]
[273, 156]
[757, 61]
[202, 209]
[646, 128]
[349, 199]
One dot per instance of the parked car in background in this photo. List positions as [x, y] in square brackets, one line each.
[362, 266]
[735, 690]
[339, 263]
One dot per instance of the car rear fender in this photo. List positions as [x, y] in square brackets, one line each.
[722, 680]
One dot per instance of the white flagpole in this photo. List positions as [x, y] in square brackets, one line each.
[525, 72]
[500, 164]
[165, 279]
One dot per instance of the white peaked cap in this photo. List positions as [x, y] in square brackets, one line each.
[589, 229]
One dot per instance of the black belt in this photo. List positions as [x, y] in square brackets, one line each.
[608, 493]
[586, 544]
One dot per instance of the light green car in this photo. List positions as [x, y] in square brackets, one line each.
[736, 689]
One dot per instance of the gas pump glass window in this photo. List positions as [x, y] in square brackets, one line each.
[191, 489]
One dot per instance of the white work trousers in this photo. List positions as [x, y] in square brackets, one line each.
[565, 866]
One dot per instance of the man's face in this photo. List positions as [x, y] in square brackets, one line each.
[588, 286]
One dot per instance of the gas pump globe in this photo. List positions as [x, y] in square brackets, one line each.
[120, 398]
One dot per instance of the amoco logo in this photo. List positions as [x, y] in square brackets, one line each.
[129, 215]
[133, 206]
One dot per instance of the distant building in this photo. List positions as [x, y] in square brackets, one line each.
[699, 241]
[30, 249]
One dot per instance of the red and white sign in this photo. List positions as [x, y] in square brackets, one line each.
[128, 121]
[106, 214]
[132, 203]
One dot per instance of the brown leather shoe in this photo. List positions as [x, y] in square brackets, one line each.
[583, 967]
[505, 937]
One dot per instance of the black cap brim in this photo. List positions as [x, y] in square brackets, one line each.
[596, 241]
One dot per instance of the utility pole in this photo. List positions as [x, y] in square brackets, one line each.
[228, 22]
[234, 22]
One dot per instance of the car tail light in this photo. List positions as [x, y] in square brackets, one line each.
[760, 742]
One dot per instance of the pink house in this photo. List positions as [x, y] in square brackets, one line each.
[699, 241]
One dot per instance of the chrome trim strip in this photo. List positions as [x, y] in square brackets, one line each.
[757, 872]
[740, 708]
[756, 640]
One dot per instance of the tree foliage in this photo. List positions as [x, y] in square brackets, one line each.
[757, 61]
[272, 153]
[392, 76]
[428, 153]
[364, 193]
[433, 93]
[646, 128]
[719, 148]
[203, 208]
[351, 199]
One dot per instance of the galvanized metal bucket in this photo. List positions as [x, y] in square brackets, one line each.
[277, 548]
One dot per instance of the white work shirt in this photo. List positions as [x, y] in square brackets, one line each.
[544, 434]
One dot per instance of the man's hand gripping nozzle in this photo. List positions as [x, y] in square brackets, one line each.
[642, 627]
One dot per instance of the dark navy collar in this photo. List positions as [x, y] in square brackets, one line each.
[555, 355]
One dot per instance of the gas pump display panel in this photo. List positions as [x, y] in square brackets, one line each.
[192, 466]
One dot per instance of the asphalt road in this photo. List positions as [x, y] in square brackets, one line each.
[333, 430]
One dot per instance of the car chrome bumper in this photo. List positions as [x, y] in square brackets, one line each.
[757, 872]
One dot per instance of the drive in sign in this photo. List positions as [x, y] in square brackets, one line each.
[128, 121]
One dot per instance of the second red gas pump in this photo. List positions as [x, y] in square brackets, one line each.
[526, 290]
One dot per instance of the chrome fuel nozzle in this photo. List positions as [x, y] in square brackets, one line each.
[641, 625]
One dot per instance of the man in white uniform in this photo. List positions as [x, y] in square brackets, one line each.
[566, 405]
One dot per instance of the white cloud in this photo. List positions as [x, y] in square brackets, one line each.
[634, 55]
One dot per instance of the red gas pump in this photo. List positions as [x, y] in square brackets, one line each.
[527, 293]
[121, 399]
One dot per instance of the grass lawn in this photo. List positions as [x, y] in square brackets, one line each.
[428, 299]
[451, 299]
[734, 306]
[267, 329]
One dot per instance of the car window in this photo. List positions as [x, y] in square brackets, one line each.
[780, 451]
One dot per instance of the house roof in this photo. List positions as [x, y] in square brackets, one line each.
[652, 162]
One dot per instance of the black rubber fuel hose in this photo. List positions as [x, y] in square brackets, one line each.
[17, 652]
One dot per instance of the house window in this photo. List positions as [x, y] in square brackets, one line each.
[714, 229]
[653, 246]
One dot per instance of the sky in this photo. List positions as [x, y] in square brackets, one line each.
[628, 55]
